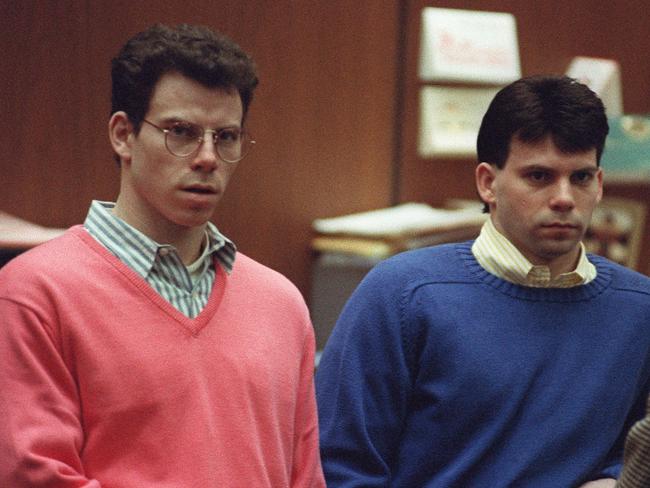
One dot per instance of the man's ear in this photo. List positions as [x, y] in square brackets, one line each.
[599, 181]
[120, 133]
[485, 174]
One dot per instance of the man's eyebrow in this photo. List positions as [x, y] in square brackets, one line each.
[179, 120]
[538, 167]
[552, 168]
[174, 120]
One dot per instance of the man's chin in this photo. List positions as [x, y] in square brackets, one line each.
[194, 219]
[558, 248]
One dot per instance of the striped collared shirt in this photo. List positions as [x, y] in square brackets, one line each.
[497, 255]
[187, 288]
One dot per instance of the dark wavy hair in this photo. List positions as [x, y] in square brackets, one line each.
[197, 52]
[536, 107]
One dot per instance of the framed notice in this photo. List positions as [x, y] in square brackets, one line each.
[450, 119]
[468, 46]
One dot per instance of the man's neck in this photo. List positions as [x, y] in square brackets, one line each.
[565, 263]
[188, 241]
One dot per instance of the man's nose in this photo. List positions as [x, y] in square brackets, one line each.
[562, 199]
[207, 159]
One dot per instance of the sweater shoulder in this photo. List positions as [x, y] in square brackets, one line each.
[261, 275]
[65, 266]
[57, 259]
[441, 263]
[265, 283]
[623, 279]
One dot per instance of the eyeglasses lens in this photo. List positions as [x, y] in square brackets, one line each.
[184, 139]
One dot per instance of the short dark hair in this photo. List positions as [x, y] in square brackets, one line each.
[197, 52]
[536, 107]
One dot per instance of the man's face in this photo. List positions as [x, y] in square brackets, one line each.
[166, 194]
[542, 200]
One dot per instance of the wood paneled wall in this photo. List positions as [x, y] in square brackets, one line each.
[324, 114]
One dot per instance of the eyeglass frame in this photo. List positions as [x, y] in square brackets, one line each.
[201, 140]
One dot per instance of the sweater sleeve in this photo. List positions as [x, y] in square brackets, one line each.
[40, 433]
[306, 470]
[363, 386]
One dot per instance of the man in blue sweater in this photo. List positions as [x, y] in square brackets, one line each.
[515, 360]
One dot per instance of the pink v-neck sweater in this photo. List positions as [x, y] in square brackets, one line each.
[104, 384]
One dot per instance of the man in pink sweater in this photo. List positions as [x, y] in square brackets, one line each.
[141, 349]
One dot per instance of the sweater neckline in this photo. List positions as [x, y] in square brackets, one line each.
[193, 325]
[583, 292]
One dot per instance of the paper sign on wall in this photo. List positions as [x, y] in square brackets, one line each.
[450, 119]
[469, 46]
[603, 76]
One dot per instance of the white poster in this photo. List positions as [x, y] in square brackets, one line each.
[450, 119]
[468, 46]
[603, 76]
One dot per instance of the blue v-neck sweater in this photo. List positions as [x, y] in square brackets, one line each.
[439, 374]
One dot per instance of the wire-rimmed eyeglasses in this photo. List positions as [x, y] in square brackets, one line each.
[184, 139]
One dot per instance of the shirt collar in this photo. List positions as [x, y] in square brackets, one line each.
[499, 256]
[140, 251]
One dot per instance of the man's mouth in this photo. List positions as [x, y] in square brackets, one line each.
[560, 228]
[200, 189]
[560, 225]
